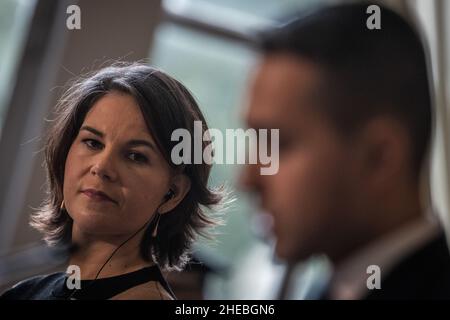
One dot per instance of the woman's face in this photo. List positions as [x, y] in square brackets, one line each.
[114, 153]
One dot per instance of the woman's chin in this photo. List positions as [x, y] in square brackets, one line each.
[93, 224]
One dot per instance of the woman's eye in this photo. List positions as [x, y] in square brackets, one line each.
[137, 157]
[92, 144]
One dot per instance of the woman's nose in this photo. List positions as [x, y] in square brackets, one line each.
[104, 167]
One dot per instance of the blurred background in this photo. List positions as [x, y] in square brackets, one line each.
[207, 45]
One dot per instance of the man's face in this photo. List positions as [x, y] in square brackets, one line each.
[310, 196]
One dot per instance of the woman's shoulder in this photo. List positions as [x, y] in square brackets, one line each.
[37, 287]
[151, 290]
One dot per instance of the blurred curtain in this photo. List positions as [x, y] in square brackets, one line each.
[432, 18]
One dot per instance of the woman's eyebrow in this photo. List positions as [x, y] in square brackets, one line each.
[94, 131]
[131, 143]
[140, 142]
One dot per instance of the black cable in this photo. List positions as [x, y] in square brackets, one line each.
[110, 257]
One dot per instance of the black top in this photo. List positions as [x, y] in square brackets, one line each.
[53, 286]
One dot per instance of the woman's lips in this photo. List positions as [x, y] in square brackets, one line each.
[97, 196]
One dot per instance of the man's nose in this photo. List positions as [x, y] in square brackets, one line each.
[104, 166]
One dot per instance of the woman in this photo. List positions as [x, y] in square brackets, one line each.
[114, 194]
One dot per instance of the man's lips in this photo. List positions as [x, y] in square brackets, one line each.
[97, 195]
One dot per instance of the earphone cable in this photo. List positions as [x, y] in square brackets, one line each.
[110, 257]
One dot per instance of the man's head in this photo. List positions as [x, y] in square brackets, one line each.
[354, 111]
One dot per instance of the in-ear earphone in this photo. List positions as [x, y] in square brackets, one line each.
[169, 195]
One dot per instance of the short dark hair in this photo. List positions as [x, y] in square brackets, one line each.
[365, 72]
[166, 105]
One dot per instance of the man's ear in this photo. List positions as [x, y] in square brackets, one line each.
[386, 148]
[180, 186]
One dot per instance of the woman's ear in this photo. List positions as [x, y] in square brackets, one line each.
[178, 189]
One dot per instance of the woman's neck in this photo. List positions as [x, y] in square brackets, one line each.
[91, 254]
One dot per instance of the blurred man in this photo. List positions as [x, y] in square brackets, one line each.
[353, 106]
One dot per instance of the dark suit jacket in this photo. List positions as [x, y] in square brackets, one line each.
[424, 274]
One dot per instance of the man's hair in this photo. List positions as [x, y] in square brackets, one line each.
[365, 72]
[166, 105]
